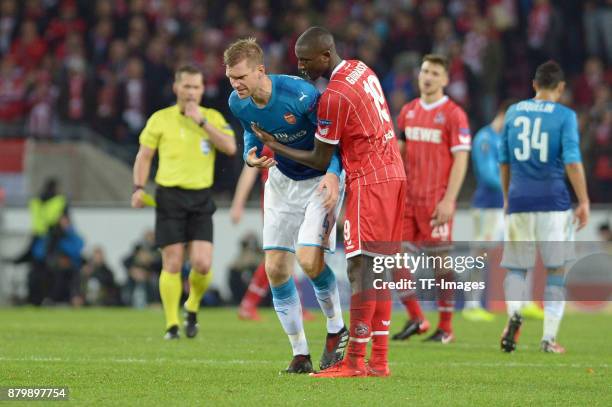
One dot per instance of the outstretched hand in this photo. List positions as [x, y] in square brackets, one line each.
[259, 162]
[262, 135]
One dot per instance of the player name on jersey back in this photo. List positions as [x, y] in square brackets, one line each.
[353, 113]
[529, 106]
[539, 138]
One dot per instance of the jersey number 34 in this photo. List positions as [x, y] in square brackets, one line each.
[532, 138]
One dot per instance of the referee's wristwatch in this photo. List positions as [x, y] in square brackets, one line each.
[202, 122]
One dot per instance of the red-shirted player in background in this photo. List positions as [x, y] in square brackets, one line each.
[353, 114]
[436, 152]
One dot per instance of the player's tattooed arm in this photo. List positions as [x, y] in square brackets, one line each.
[318, 158]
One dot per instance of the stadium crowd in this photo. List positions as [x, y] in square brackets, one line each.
[108, 64]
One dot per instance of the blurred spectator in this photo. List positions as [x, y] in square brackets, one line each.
[13, 87]
[143, 266]
[598, 28]
[29, 48]
[99, 41]
[242, 269]
[46, 210]
[593, 77]
[66, 23]
[41, 119]
[97, 282]
[75, 91]
[132, 100]
[543, 33]
[158, 75]
[61, 250]
[8, 24]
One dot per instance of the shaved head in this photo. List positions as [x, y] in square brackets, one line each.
[316, 53]
[316, 39]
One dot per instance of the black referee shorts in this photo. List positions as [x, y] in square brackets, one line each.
[183, 215]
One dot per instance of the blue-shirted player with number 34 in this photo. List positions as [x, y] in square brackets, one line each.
[540, 145]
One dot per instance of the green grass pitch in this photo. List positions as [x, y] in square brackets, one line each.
[118, 357]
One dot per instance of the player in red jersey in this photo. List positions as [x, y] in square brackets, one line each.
[353, 115]
[437, 141]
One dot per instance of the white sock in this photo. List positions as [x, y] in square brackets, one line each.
[554, 306]
[514, 290]
[328, 297]
[289, 311]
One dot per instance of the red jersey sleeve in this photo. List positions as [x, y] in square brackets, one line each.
[459, 131]
[332, 116]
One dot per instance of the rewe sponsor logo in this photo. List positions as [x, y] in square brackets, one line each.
[423, 134]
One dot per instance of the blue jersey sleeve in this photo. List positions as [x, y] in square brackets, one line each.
[335, 165]
[486, 165]
[570, 140]
[250, 140]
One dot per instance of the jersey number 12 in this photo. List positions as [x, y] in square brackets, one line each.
[532, 139]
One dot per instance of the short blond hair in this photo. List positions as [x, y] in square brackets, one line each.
[243, 49]
[188, 69]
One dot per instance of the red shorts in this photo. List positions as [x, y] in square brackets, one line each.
[418, 228]
[373, 218]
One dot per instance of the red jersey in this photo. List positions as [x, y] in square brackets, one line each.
[353, 113]
[432, 134]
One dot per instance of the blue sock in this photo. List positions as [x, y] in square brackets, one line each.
[326, 291]
[289, 311]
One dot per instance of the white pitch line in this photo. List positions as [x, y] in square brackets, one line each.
[275, 362]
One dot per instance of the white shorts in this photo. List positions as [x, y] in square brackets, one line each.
[488, 224]
[294, 214]
[553, 230]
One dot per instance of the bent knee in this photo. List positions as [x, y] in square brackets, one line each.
[277, 272]
[312, 265]
[201, 265]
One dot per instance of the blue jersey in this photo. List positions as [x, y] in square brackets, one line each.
[539, 138]
[290, 116]
[485, 161]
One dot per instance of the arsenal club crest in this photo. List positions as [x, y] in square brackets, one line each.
[289, 118]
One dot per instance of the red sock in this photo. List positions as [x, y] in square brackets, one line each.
[362, 310]
[380, 329]
[446, 305]
[408, 297]
[258, 288]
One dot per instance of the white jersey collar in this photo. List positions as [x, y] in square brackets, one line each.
[435, 104]
[337, 68]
